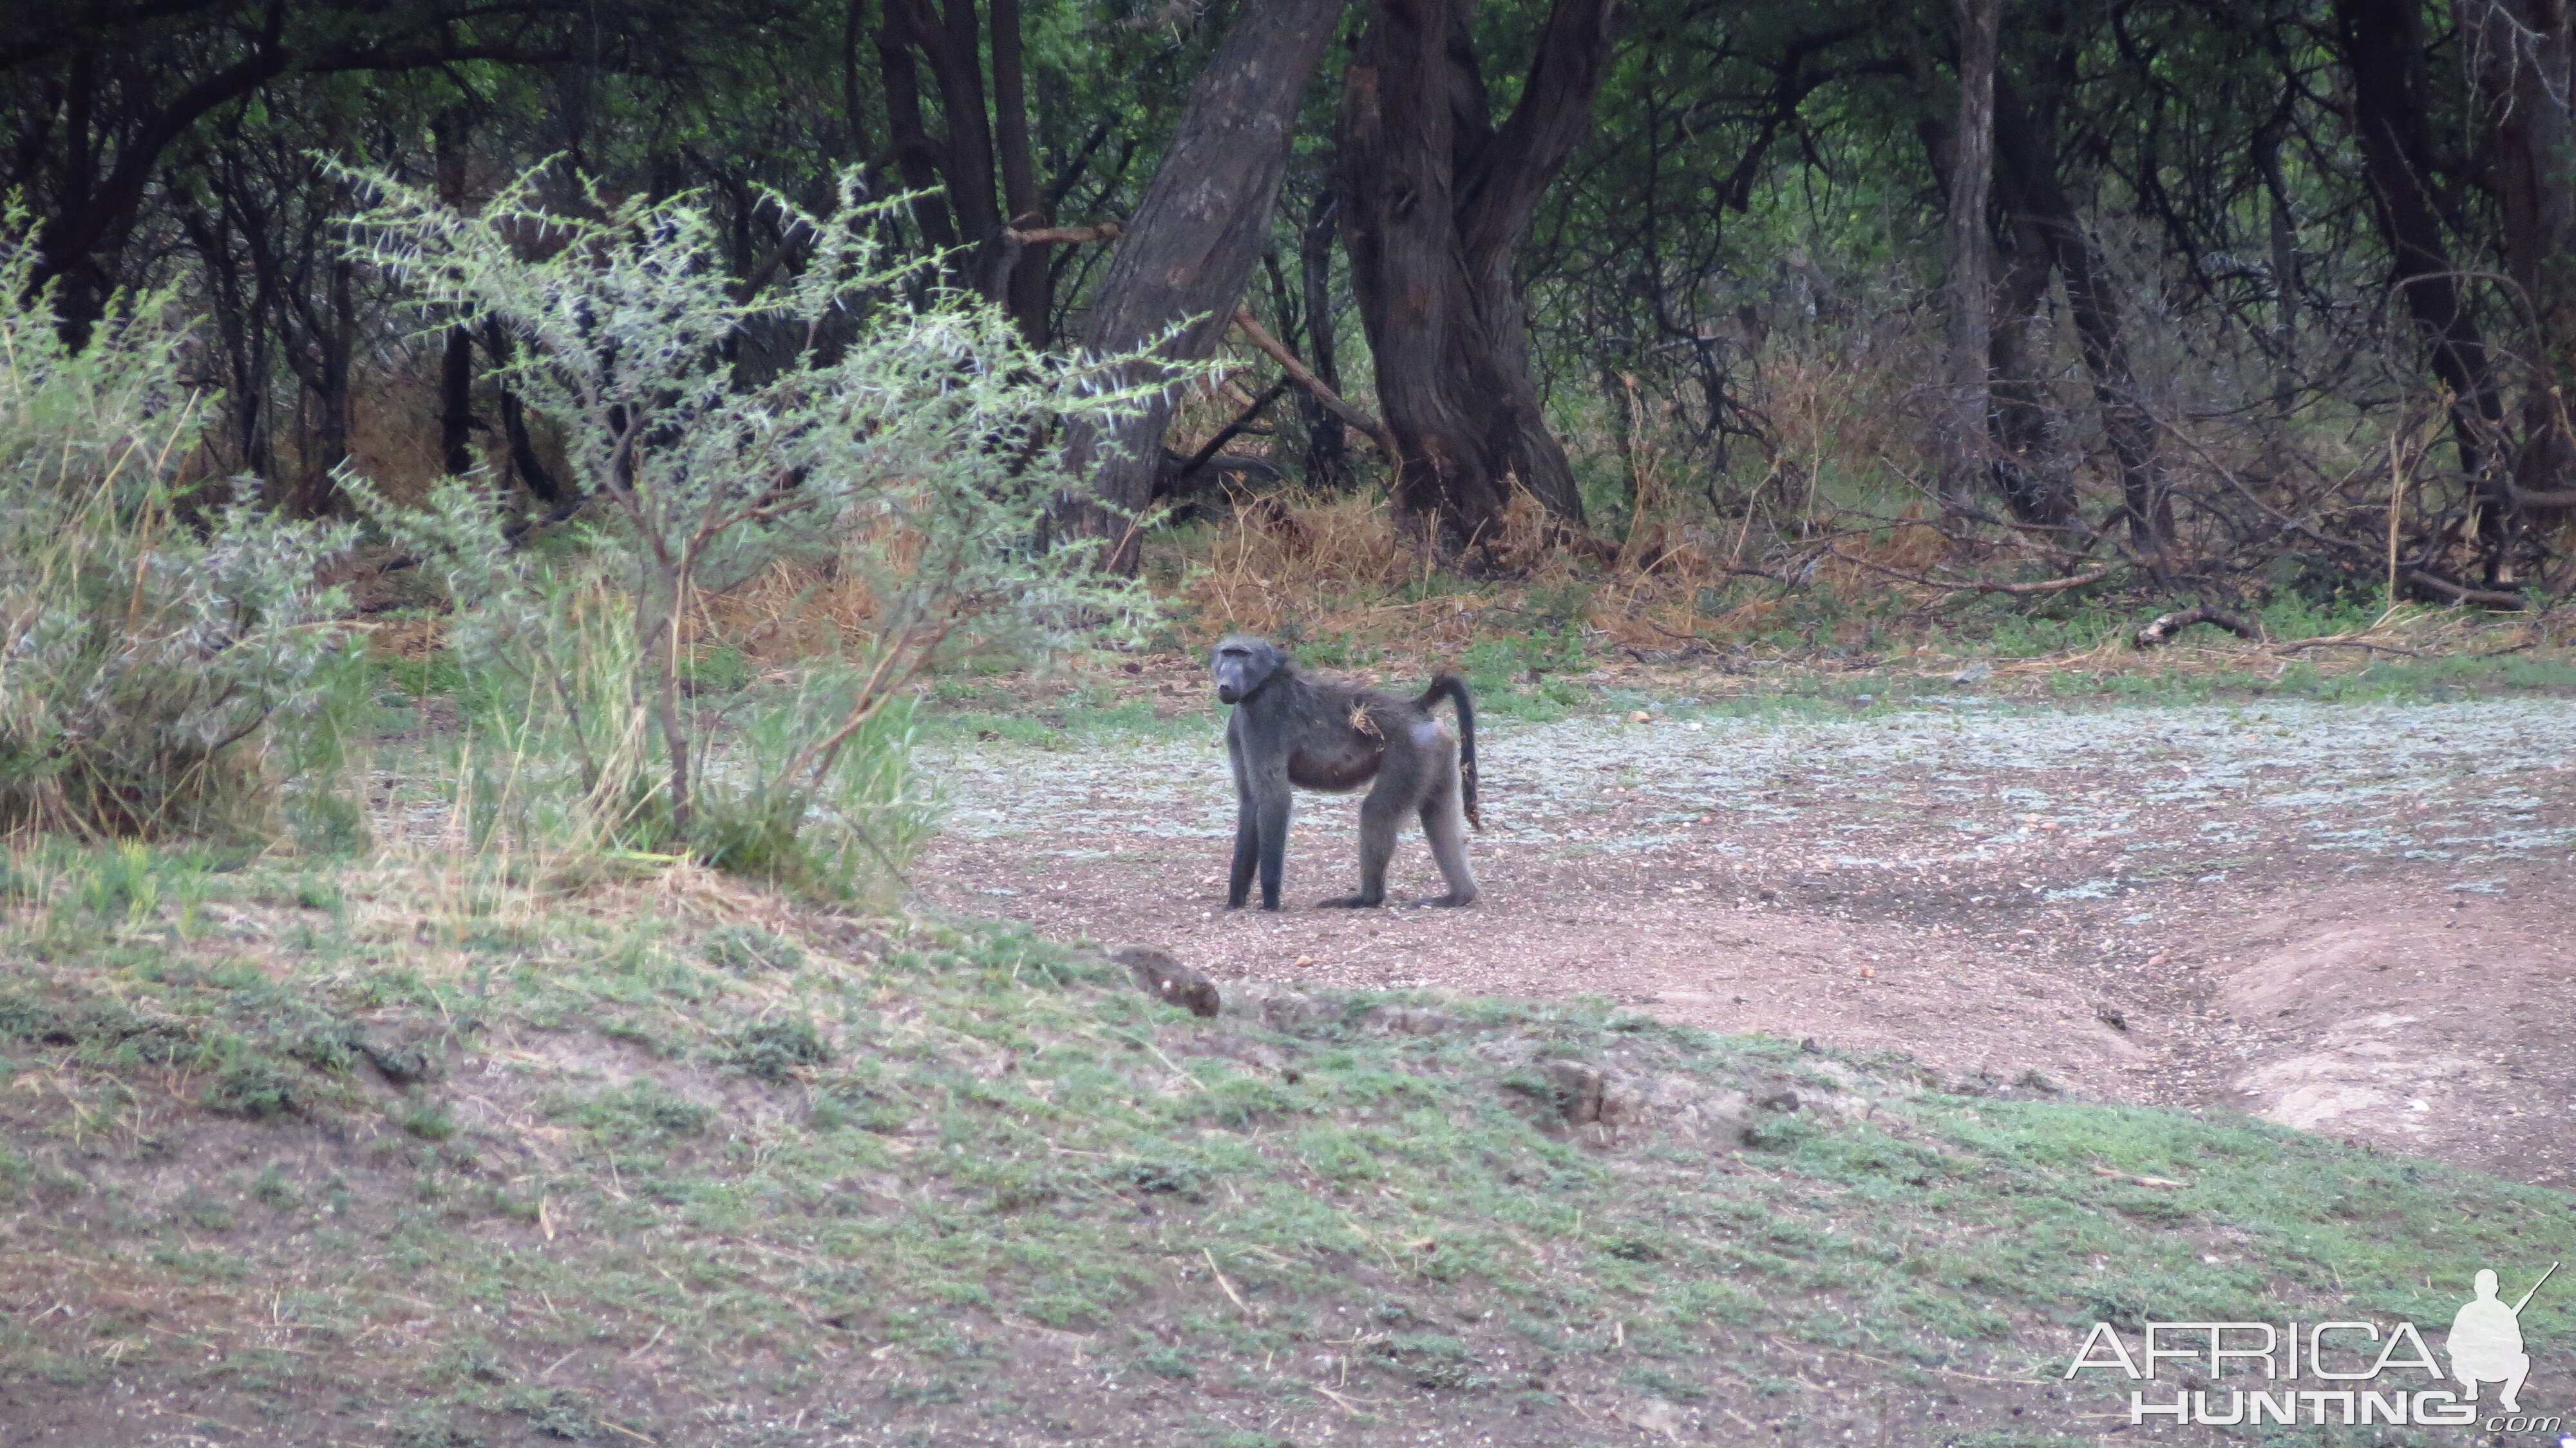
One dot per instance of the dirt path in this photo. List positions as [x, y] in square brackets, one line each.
[2356, 919]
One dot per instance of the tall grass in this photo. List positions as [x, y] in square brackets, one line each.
[558, 765]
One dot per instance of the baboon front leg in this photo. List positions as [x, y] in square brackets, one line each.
[1247, 829]
[1444, 824]
[1379, 815]
[1247, 851]
[1269, 815]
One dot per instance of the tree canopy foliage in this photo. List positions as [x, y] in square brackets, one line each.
[2274, 286]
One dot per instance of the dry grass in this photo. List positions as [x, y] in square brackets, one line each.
[1342, 566]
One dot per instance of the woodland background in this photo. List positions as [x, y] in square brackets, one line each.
[2206, 299]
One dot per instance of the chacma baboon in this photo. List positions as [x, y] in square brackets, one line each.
[1291, 728]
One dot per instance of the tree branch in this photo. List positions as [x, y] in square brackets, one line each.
[1376, 430]
[1067, 235]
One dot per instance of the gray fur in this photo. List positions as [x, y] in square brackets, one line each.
[1291, 729]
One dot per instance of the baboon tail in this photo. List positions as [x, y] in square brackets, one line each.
[1453, 688]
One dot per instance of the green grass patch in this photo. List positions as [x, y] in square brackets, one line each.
[939, 1158]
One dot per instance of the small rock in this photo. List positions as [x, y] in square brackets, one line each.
[1159, 975]
[1652, 1416]
[403, 1061]
[1577, 1088]
[1641, 717]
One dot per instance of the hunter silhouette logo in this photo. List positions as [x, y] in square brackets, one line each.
[2252, 1373]
[2486, 1341]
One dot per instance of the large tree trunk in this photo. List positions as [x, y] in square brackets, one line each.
[2384, 47]
[335, 340]
[2031, 465]
[1328, 453]
[2027, 470]
[1963, 421]
[1191, 246]
[1434, 200]
[456, 364]
[2027, 173]
[2520, 52]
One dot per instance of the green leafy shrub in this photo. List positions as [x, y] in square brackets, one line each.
[165, 659]
[776, 1050]
[908, 445]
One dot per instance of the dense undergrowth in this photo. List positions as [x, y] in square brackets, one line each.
[426, 1155]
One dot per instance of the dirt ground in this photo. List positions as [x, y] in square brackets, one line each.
[2353, 919]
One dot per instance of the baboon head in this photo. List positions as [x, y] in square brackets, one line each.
[1242, 664]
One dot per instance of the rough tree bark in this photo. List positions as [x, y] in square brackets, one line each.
[2034, 196]
[1328, 453]
[2034, 482]
[1433, 201]
[2383, 47]
[2520, 56]
[2031, 466]
[1963, 421]
[1191, 245]
[456, 362]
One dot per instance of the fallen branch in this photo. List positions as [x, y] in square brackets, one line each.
[2345, 643]
[1973, 585]
[2492, 598]
[2526, 498]
[1279, 353]
[2166, 625]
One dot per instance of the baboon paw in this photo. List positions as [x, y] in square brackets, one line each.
[1450, 902]
[1350, 902]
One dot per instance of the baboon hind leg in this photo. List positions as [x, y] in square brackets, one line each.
[1444, 824]
[1380, 813]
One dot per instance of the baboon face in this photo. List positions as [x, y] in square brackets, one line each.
[1242, 664]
